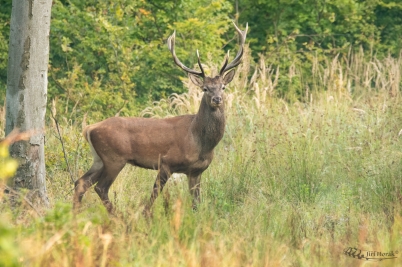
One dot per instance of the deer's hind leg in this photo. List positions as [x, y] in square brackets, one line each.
[86, 181]
[90, 177]
[106, 179]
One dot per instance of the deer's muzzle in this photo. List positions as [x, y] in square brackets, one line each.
[217, 100]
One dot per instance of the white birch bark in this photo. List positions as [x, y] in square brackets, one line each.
[27, 92]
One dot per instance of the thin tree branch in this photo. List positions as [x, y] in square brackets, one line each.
[62, 145]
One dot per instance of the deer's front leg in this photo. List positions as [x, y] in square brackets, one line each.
[194, 186]
[161, 179]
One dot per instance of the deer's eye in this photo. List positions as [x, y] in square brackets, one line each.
[205, 89]
[223, 87]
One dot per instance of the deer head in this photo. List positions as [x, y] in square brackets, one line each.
[212, 86]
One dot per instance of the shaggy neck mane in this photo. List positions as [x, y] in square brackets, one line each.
[209, 125]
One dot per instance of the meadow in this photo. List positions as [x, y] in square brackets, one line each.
[292, 183]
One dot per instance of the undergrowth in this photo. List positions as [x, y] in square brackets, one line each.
[292, 183]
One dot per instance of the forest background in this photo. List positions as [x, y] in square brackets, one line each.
[110, 56]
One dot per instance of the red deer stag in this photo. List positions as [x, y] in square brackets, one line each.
[182, 144]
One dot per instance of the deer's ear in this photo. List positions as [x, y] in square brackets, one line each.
[197, 80]
[228, 77]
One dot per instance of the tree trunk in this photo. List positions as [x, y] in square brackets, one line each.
[27, 92]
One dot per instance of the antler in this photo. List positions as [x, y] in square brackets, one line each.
[236, 61]
[171, 43]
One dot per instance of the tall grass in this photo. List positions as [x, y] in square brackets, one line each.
[291, 184]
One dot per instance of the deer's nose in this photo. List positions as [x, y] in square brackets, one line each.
[217, 100]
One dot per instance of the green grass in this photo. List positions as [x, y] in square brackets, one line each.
[291, 184]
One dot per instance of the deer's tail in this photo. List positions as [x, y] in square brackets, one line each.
[85, 133]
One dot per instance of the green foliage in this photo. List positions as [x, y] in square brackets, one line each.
[8, 165]
[294, 35]
[5, 14]
[329, 25]
[110, 57]
[115, 53]
[9, 251]
[389, 23]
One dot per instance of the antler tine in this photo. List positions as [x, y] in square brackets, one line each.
[171, 44]
[199, 64]
[225, 63]
[236, 61]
